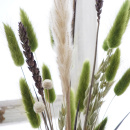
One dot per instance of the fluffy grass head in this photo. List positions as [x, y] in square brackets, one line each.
[28, 102]
[119, 26]
[49, 94]
[102, 125]
[113, 66]
[83, 85]
[30, 31]
[16, 54]
[123, 83]
[105, 45]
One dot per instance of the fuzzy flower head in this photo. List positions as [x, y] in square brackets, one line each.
[38, 107]
[47, 84]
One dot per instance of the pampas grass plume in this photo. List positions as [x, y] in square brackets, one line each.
[102, 125]
[119, 26]
[123, 83]
[51, 92]
[72, 109]
[28, 102]
[83, 85]
[30, 31]
[16, 54]
[113, 66]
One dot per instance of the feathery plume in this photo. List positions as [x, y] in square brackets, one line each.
[60, 26]
[28, 102]
[33, 43]
[16, 54]
[83, 85]
[113, 66]
[115, 35]
[123, 83]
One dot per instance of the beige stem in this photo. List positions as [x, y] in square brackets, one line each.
[68, 118]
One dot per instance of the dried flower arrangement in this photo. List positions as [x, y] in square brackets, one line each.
[88, 98]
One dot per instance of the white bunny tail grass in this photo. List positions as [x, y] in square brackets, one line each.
[61, 18]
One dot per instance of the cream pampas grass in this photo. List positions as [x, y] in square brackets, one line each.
[60, 26]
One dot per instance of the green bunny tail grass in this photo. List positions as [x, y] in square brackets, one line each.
[113, 66]
[105, 45]
[16, 54]
[102, 125]
[119, 26]
[49, 94]
[72, 109]
[83, 85]
[28, 102]
[51, 38]
[123, 83]
[30, 31]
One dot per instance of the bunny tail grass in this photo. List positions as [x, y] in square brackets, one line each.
[72, 109]
[123, 83]
[16, 54]
[83, 85]
[105, 45]
[114, 65]
[51, 38]
[30, 31]
[102, 125]
[28, 102]
[119, 26]
[46, 75]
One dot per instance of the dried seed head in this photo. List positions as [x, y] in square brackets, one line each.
[38, 107]
[47, 84]
[99, 4]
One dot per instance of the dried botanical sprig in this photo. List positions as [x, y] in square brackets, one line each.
[28, 102]
[102, 125]
[16, 54]
[33, 43]
[61, 119]
[123, 83]
[32, 65]
[51, 93]
[83, 85]
[99, 4]
[113, 66]
[30, 58]
[60, 26]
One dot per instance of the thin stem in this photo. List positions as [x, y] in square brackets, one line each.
[23, 74]
[108, 107]
[92, 80]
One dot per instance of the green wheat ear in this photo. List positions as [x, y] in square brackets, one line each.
[123, 83]
[105, 45]
[83, 85]
[28, 102]
[46, 75]
[16, 54]
[116, 32]
[30, 31]
[113, 66]
[72, 109]
[102, 125]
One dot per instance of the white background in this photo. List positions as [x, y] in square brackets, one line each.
[38, 12]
